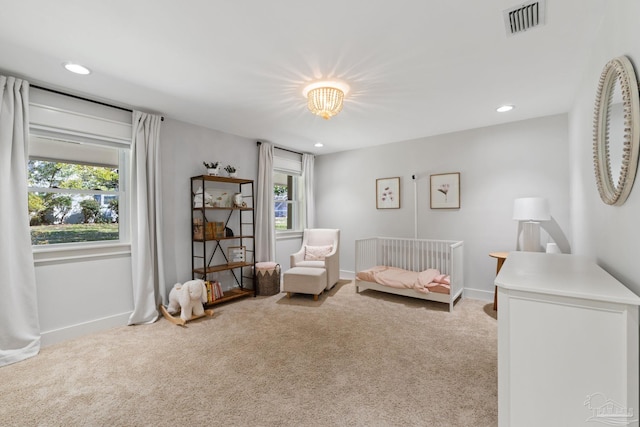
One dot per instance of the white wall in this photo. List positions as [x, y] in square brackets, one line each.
[497, 164]
[285, 246]
[80, 296]
[610, 234]
[184, 148]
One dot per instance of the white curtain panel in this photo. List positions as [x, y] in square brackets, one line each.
[19, 325]
[146, 220]
[265, 215]
[309, 201]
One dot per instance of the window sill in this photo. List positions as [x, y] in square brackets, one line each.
[286, 235]
[76, 253]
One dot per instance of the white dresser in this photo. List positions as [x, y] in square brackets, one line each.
[567, 343]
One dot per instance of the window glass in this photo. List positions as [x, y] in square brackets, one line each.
[71, 201]
[285, 196]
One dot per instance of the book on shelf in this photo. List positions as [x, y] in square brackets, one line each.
[214, 291]
[207, 230]
[217, 290]
[209, 287]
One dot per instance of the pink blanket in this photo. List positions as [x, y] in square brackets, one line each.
[426, 281]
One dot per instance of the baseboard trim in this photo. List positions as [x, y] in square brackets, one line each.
[478, 294]
[347, 275]
[74, 331]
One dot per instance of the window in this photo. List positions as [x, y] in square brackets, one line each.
[288, 190]
[77, 177]
[287, 203]
[74, 198]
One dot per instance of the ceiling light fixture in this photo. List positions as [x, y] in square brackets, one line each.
[76, 68]
[318, 144]
[324, 98]
[504, 108]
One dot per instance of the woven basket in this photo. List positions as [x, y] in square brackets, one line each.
[268, 277]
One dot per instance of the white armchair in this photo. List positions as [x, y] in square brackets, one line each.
[315, 252]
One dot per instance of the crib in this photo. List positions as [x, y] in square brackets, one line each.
[414, 255]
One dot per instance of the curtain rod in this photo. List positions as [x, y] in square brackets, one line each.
[283, 149]
[85, 99]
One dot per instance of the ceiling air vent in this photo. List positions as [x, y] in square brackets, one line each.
[524, 17]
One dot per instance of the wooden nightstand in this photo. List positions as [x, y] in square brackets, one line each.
[500, 256]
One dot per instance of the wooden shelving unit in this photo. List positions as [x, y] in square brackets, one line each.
[209, 252]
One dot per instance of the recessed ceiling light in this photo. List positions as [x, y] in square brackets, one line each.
[504, 108]
[318, 144]
[76, 68]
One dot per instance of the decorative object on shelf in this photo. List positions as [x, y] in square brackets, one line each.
[531, 210]
[197, 198]
[198, 229]
[213, 169]
[325, 98]
[388, 193]
[187, 298]
[617, 114]
[238, 202]
[231, 170]
[237, 254]
[218, 199]
[445, 191]
[228, 232]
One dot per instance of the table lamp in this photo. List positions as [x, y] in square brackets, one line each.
[531, 210]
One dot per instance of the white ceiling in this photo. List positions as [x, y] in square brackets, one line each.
[416, 67]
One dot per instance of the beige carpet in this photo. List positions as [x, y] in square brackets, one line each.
[349, 359]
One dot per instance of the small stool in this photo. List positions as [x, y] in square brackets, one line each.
[268, 278]
[305, 280]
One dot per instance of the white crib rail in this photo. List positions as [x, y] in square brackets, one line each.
[366, 250]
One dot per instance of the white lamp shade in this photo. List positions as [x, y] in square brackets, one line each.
[531, 209]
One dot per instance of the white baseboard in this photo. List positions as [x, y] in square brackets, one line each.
[478, 294]
[63, 334]
[347, 275]
[74, 331]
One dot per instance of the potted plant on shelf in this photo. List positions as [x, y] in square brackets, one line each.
[231, 170]
[213, 169]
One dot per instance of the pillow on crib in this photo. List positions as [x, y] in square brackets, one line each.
[442, 278]
[316, 253]
[370, 274]
[427, 276]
